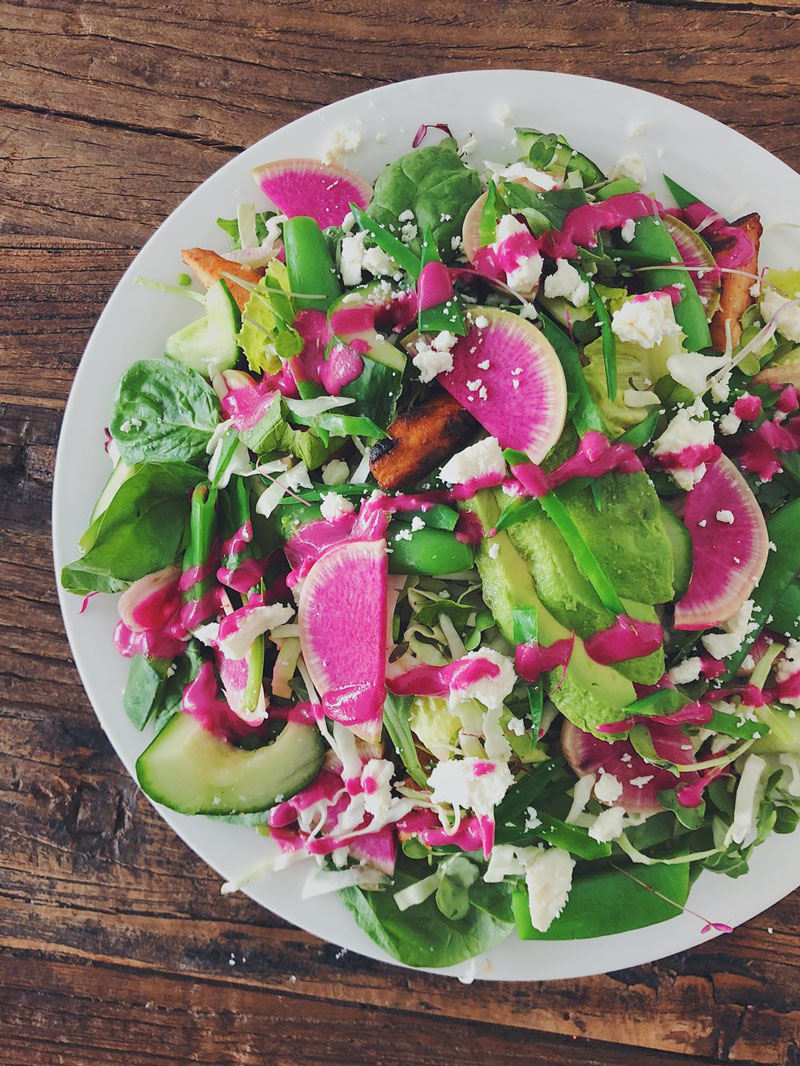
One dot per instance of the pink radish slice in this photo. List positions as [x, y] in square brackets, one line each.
[376, 849]
[309, 187]
[728, 559]
[780, 374]
[587, 754]
[152, 601]
[521, 397]
[342, 621]
[695, 253]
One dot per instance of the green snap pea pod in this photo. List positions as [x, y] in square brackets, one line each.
[782, 568]
[255, 675]
[681, 196]
[237, 553]
[439, 516]
[487, 226]
[583, 409]
[525, 621]
[608, 340]
[341, 425]
[522, 795]
[387, 242]
[638, 436]
[308, 261]
[429, 551]
[617, 188]
[199, 576]
[572, 838]
[653, 237]
[443, 316]
[664, 701]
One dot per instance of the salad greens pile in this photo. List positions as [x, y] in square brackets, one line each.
[456, 543]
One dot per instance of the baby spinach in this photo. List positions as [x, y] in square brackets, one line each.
[145, 687]
[395, 718]
[435, 185]
[163, 412]
[142, 530]
[422, 935]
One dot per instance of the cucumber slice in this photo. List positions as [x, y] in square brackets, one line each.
[681, 544]
[211, 338]
[119, 475]
[189, 770]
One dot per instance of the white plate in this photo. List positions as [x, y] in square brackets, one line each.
[598, 117]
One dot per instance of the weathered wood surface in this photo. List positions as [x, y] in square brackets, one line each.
[115, 945]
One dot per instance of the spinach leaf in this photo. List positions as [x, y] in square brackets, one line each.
[163, 412]
[231, 227]
[422, 936]
[186, 670]
[144, 688]
[605, 901]
[395, 718]
[435, 185]
[142, 530]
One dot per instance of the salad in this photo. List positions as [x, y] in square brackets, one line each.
[456, 543]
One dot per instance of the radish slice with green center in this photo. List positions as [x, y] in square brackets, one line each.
[728, 557]
[342, 622]
[695, 253]
[308, 187]
[508, 376]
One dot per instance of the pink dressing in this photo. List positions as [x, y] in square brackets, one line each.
[738, 249]
[595, 456]
[690, 458]
[440, 681]
[151, 602]
[165, 643]
[515, 250]
[343, 365]
[583, 224]
[324, 787]
[748, 408]
[247, 402]
[692, 795]
[243, 577]
[350, 320]
[434, 286]
[311, 540]
[628, 638]
[469, 529]
[788, 399]
[534, 659]
[201, 701]
[759, 449]
[426, 827]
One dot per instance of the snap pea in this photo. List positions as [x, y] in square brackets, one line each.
[638, 436]
[653, 238]
[308, 261]
[492, 208]
[583, 409]
[681, 196]
[235, 508]
[443, 316]
[617, 188]
[783, 565]
[434, 552]
[608, 341]
[387, 242]
[255, 675]
[525, 621]
[572, 838]
[439, 516]
[341, 425]
[202, 528]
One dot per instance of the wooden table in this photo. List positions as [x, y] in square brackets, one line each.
[115, 945]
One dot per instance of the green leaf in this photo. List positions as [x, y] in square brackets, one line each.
[584, 411]
[606, 901]
[422, 935]
[680, 195]
[141, 531]
[395, 719]
[163, 412]
[143, 690]
[690, 817]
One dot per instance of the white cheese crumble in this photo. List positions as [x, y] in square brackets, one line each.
[629, 166]
[494, 550]
[645, 322]
[684, 430]
[336, 472]
[502, 113]
[351, 258]
[726, 517]
[515, 171]
[344, 140]
[525, 275]
[640, 782]
[566, 281]
[628, 230]
[334, 506]
[548, 877]
[434, 357]
[378, 263]
[729, 424]
[580, 797]
[454, 781]
[490, 691]
[417, 524]
[607, 826]
[720, 645]
[788, 321]
[685, 672]
[789, 662]
[479, 460]
[608, 788]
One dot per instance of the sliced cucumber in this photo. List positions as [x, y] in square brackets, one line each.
[189, 770]
[119, 475]
[211, 338]
[681, 544]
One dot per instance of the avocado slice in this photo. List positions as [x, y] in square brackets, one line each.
[590, 694]
[681, 544]
[190, 770]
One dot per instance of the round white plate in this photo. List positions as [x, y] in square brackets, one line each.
[604, 120]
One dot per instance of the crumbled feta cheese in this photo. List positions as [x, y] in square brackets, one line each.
[720, 645]
[684, 430]
[502, 113]
[344, 140]
[532, 819]
[406, 216]
[729, 424]
[481, 322]
[528, 269]
[685, 672]
[376, 780]
[548, 877]
[378, 263]
[566, 281]
[528, 310]
[692, 370]
[435, 356]
[726, 517]
[645, 322]
[490, 691]
[580, 797]
[403, 534]
[628, 230]
[336, 472]
[629, 166]
[456, 243]
[335, 506]
[479, 460]
[515, 171]
[351, 258]
[789, 662]
[494, 550]
[721, 388]
[640, 782]
[408, 231]
[455, 781]
[516, 726]
[773, 303]
[608, 788]
[417, 524]
[607, 826]
[131, 423]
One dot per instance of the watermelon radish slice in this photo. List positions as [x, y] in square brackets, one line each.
[507, 375]
[308, 187]
[342, 622]
[695, 253]
[728, 558]
[641, 781]
[376, 849]
[781, 373]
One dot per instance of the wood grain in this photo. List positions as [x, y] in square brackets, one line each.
[115, 945]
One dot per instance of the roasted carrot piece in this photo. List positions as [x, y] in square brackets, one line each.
[209, 267]
[421, 439]
[735, 295]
